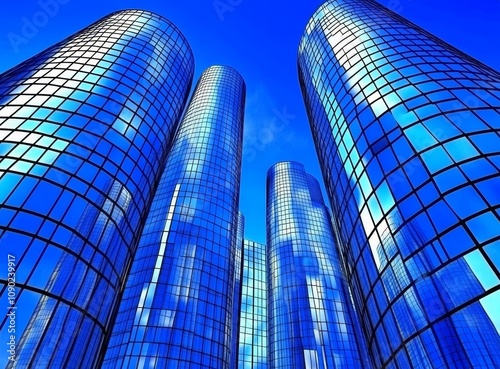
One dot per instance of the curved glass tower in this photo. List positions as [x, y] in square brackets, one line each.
[84, 129]
[407, 131]
[176, 310]
[312, 323]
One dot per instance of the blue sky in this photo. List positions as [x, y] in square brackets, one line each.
[259, 38]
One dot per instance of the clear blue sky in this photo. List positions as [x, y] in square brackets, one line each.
[259, 38]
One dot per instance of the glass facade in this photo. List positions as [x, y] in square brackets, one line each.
[312, 323]
[252, 353]
[84, 131]
[176, 310]
[407, 132]
[238, 259]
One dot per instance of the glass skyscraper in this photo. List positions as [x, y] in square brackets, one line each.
[406, 128]
[252, 352]
[312, 323]
[84, 131]
[176, 309]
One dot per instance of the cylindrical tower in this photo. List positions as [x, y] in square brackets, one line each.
[312, 323]
[85, 127]
[176, 309]
[406, 128]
